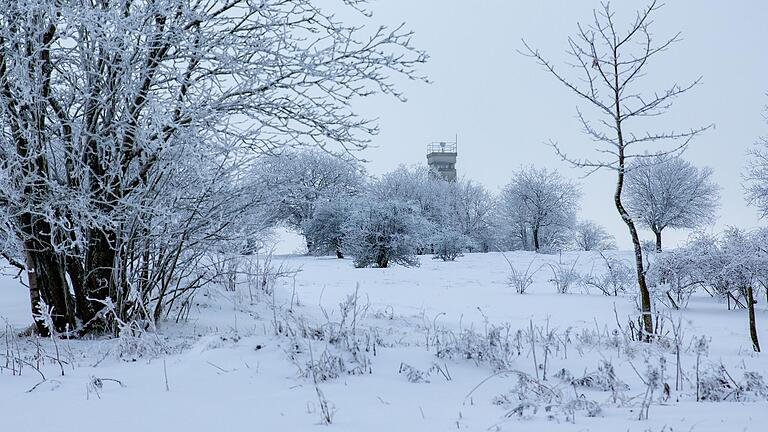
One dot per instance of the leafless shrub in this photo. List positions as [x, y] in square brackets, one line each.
[674, 276]
[416, 376]
[322, 370]
[653, 381]
[603, 379]
[717, 385]
[530, 396]
[327, 367]
[494, 347]
[413, 374]
[564, 277]
[521, 280]
[617, 277]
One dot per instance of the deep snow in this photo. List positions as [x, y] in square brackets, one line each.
[227, 370]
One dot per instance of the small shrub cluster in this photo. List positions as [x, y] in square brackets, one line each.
[449, 245]
[564, 277]
[603, 379]
[617, 278]
[494, 347]
[530, 396]
[717, 385]
[519, 279]
[418, 376]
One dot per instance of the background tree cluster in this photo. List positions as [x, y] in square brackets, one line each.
[329, 200]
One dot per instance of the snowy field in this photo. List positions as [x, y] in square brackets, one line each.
[445, 346]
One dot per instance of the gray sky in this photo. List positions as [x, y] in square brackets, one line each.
[503, 106]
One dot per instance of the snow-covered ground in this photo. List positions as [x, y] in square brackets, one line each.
[445, 346]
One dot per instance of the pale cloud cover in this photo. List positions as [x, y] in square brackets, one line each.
[504, 107]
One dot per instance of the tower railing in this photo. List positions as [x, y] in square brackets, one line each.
[442, 147]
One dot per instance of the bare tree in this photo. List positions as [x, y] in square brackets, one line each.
[611, 65]
[670, 192]
[543, 199]
[126, 127]
[757, 176]
[589, 236]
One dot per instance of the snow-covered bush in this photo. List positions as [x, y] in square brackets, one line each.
[529, 397]
[603, 379]
[324, 230]
[449, 244]
[417, 187]
[564, 276]
[718, 385]
[520, 279]
[733, 266]
[673, 277]
[416, 376]
[495, 347]
[379, 233]
[615, 279]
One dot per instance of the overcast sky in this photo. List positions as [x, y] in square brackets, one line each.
[504, 107]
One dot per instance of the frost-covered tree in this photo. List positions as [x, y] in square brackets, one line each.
[382, 232]
[734, 266]
[543, 201]
[127, 127]
[509, 225]
[324, 230]
[611, 68]
[670, 192]
[757, 176]
[589, 236]
[470, 212]
[299, 181]
[419, 187]
[461, 209]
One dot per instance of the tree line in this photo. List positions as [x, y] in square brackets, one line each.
[411, 210]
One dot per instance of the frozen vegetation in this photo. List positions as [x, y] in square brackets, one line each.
[305, 341]
[149, 149]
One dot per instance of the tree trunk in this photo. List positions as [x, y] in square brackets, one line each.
[536, 239]
[382, 260]
[35, 297]
[752, 326]
[100, 262]
[339, 254]
[524, 238]
[49, 291]
[658, 240]
[645, 295]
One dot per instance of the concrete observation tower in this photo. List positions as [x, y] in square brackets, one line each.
[441, 158]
